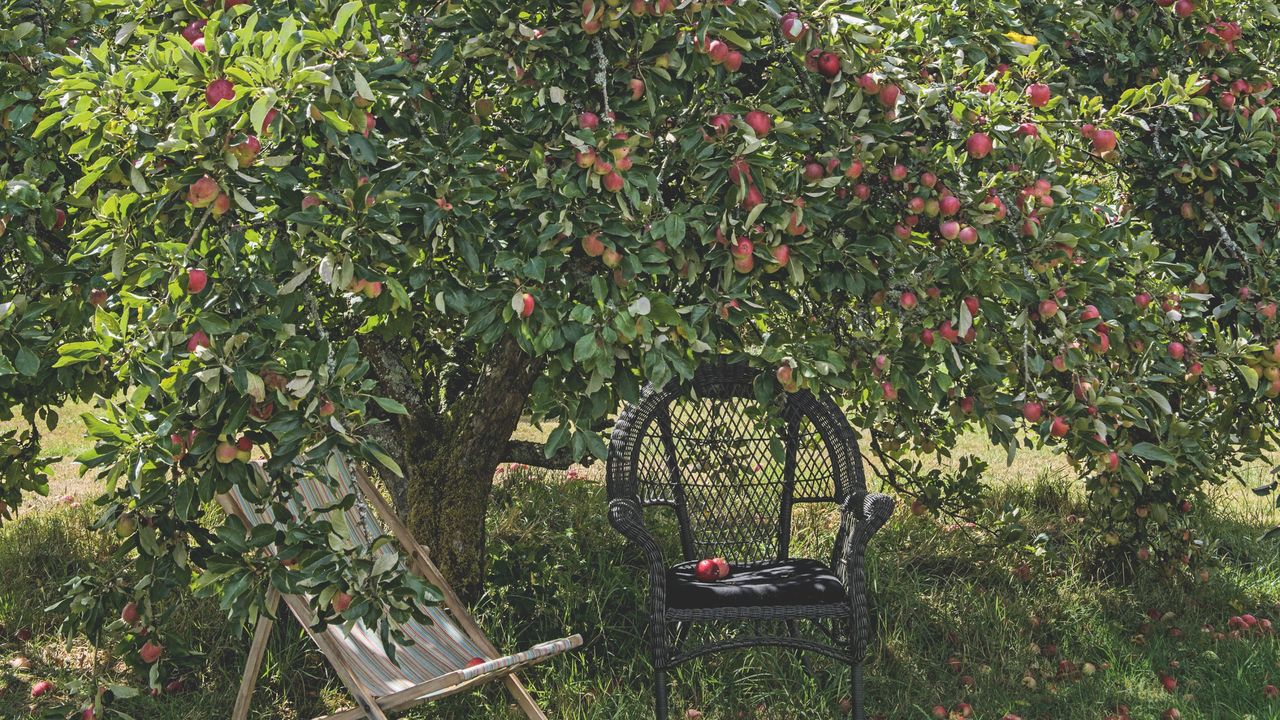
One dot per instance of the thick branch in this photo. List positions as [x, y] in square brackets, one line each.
[528, 452]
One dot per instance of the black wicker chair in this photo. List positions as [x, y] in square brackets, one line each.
[732, 470]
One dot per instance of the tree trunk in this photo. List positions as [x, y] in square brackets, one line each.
[450, 457]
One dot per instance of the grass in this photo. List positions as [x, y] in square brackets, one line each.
[942, 593]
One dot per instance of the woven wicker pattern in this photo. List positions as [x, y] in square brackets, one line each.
[732, 470]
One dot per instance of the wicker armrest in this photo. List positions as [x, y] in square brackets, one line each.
[625, 516]
[869, 511]
[864, 515]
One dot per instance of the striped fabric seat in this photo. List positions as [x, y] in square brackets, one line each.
[438, 648]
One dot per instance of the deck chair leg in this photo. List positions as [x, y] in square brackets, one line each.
[257, 649]
[522, 697]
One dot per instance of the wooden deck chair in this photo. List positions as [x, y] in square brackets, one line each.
[441, 659]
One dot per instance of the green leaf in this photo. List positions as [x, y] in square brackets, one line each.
[343, 15]
[1153, 452]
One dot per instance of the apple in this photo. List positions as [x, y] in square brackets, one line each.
[786, 378]
[637, 88]
[228, 4]
[475, 662]
[889, 95]
[717, 50]
[221, 205]
[197, 280]
[588, 120]
[722, 123]
[862, 191]
[792, 27]
[194, 30]
[949, 229]
[1177, 350]
[781, 255]
[244, 449]
[828, 65]
[1048, 309]
[97, 297]
[1271, 692]
[150, 652]
[907, 300]
[611, 258]
[927, 337]
[341, 602]
[526, 305]
[949, 205]
[203, 192]
[613, 182]
[707, 570]
[759, 122]
[1033, 411]
[1184, 8]
[41, 688]
[1104, 141]
[978, 145]
[1059, 428]
[219, 90]
[968, 235]
[592, 245]
[889, 391]
[813, 171]
[855, 170]
[949, 332]
[1038, 95]
[197, 340]
[246, 152]
[225, 453]
[869, 84]
[1089, 313]
[268, 120]
[129, 614]
[753, 198]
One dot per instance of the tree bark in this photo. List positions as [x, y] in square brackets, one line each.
[450, 456]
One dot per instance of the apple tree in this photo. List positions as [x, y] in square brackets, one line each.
[396, 229]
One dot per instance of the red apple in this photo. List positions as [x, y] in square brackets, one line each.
[1089, 313]
[907, 300]
[1038, 94]
[949, 229]
[219, 90]
[41, 688]
[968, 235]
[613, 182]
[1059, 428]
[129, 614]
[526, 305]
[150, 652]
[341, 602]
[753, 198]
[1177, 350]
[1184, 8]
[949, 205]
[1048, 309]
[828, 65]
[194, 30]
[1104, 141]
[792, 27]
[203, 192]
[588, 120]
[225, 453]
[97, 297]
[889, 95]
[637, 88]
[1032, 411]
[706, 571]
[978, 145]
[759, 122]
[197, 340]
[197, 280]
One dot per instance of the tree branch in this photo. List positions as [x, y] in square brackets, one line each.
[528, 452]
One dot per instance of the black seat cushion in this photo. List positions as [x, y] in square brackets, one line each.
[771, 583]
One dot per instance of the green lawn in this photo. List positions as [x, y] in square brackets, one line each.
[957, 623]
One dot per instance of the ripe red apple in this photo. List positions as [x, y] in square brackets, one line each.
[585, 159]
[862, 191]
[219, 90]
[246, 152]
[759, 122]
[908, 300]
[978, 145]
[592, 245]
[813, 171]
[949, 332]
[949, 229]
[150, 652]
[244, 449]
[1184, 8]
[194, 30]
[828, 65]
[898, 172]
[1059, 428]
[613, 182]
[855, 170]
[786, 378]
[889, 391]
[1048, 309]
[197, 280]
[889, 95]
[1028, 130]
[222, 204]
[717, 50]
[588, 120]
[1104, 141]
[197, 340]
[341, 602]
[707, 571]
[129, 614]
[475, 662]
[637, 88]
[1033, 411]
[926, 337]
[97, 297]
[968, 235]
[792, 27]
[41, 688]
[753, 198]
[722, 123]
[526, 305]
[1177, 350]
[203, 192]
[781, 255]
[1038, 94]
[1089, 313]
[949, 205]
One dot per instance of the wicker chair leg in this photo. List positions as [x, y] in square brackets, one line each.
[858, 713]
[660, 693]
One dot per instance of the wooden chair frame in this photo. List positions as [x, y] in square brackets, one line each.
[368, 704]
